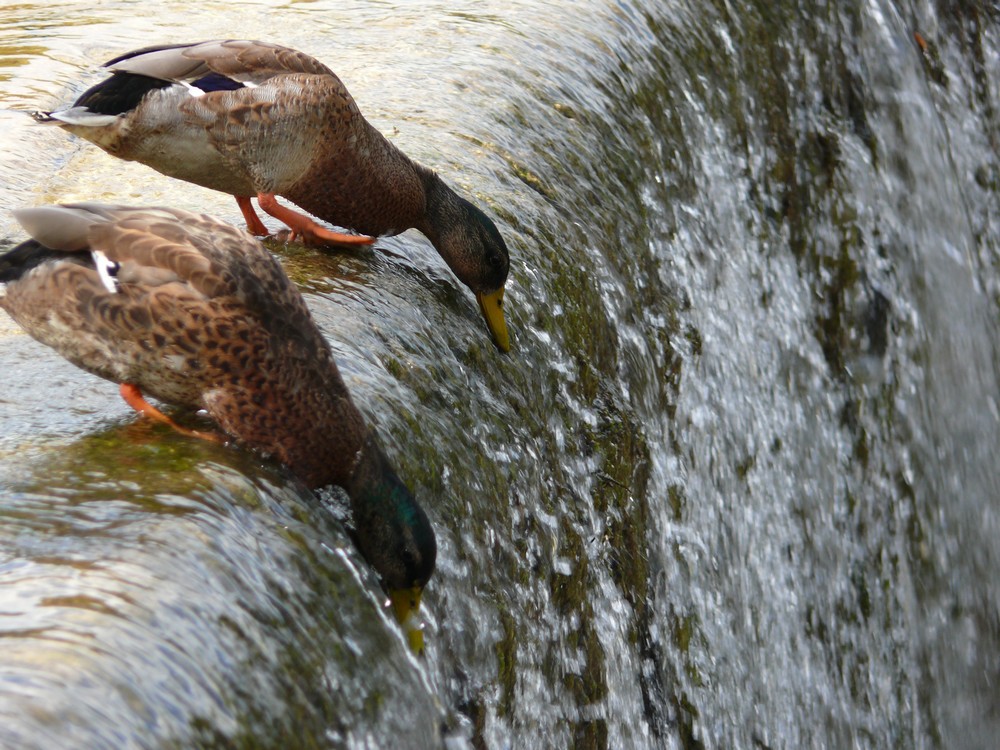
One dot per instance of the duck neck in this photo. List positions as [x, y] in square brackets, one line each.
[440, 202]
[393, 532]
[444, 222]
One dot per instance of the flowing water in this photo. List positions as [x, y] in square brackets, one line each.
[734, 486]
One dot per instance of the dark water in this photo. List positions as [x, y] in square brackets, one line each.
[735, 486]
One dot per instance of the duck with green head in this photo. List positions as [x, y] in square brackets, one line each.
[197, 313]
[258, 120]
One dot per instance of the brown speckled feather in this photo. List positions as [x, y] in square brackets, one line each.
[203, 317]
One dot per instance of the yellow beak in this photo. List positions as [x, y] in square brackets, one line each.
[405, 603]
[492, 307]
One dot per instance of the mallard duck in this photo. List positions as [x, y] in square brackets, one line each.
[197, 313]
[256, 119]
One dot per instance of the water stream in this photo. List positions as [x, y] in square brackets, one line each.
[734, 486]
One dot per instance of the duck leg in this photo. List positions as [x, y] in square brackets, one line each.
[305, 229]
[254, 225]
[133, 397]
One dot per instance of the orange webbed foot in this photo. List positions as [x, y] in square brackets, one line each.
[134, 398]
[317, 235]
[307, 231]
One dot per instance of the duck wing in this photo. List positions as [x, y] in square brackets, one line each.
[148, 295]
[148, 247]
[239, 61]
[207, 258]
[241, 117]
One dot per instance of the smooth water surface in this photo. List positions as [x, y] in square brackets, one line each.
[734, 486]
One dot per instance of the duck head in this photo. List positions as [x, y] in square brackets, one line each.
[471, 245]
[393, 533]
